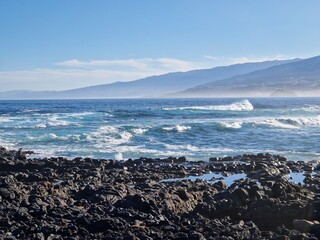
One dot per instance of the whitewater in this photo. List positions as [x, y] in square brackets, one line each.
[133, 128]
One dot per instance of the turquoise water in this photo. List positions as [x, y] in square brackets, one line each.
[195, 128]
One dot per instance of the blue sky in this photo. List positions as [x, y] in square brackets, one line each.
[59, 44]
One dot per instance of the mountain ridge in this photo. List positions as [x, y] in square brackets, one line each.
[302, 78]
[153, 86]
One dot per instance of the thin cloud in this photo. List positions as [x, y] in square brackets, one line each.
[222, 60]
[75, 73]
[144, 64]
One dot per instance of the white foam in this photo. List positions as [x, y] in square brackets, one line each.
[287, 122]
[118, 156]
[234, 125]
[243, 105]
[192, 148]
[52, 135]
[5, 119]
[305, 121]
[81, 114]
[169, 108]
[90, 137]
[7, 144]
[179, 147]
[58, 123]
[54, 121]
[109, 135]
[41, 126]
[139, 131]
[49, 136]
[177, 128]
[108, 129]
[123, 137]
[52, 118]
[311, 108]
[76, 137]
[28, 110]
[276, 123]
[137, 150]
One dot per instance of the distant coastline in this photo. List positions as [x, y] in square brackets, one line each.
[285, 78]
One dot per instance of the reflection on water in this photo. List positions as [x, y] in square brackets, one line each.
[211, 177]
[214, 177]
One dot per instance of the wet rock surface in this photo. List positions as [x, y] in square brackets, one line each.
[84, 198]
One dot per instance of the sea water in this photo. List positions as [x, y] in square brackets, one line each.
[133, 128]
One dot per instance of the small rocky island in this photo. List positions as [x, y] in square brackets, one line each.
[84, 198]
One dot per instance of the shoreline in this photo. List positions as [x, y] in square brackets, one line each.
[85, 198]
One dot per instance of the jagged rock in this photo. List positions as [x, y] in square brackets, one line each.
[57, 198]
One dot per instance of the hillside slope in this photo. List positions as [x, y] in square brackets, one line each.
[302, 78]
[153, 86]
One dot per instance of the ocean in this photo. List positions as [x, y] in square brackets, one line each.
[195, 128]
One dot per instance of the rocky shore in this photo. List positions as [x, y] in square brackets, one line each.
[84, 198]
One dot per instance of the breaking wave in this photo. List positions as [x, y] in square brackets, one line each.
[110, 135]
[288, 122]
[244, 105]
[303, 121]
[5, 119]
[139, 131]
[276, 123]
[198, 129]
[177, 128]
[55, 122]
[232, 125]
[311, 108]
[280, 122]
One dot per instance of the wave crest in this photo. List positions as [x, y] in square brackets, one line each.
[139, 131]
[5, 119]
[289, 122]
[177, 128]
[232, 125]
[244, 105]
[304, 121]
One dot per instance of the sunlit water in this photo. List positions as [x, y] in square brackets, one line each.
[195, 128]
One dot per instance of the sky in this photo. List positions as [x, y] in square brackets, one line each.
[65, 44]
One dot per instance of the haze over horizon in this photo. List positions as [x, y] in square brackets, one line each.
[60, 45]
